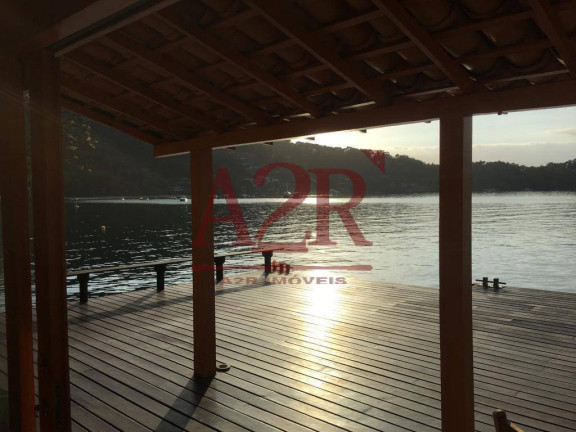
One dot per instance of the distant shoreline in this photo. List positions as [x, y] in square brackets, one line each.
[176, 198]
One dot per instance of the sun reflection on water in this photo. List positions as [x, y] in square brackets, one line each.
[323, 304]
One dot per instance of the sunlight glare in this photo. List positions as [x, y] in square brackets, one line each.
[323, 305]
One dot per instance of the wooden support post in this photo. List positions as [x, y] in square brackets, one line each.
[267, 262]
[83, 281]
[49, 242]
[219, 261]
[204, 301]
[160, 272]
[16, 242]
[456, 352]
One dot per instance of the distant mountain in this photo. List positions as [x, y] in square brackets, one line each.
[100, 161]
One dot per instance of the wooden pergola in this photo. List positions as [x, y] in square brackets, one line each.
[191, 76]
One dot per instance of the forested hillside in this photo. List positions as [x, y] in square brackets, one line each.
[103, 162]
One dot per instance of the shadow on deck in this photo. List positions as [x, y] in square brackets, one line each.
[358, 356]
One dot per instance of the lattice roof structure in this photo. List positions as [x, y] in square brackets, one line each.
[182, 72]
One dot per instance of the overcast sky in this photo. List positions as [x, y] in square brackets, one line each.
[527, 138]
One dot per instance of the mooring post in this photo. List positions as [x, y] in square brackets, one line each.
[160, 272]
[83, 281]
[267, 261]
[219, 261]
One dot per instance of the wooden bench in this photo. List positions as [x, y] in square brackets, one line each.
[502, 423]
[83, 276]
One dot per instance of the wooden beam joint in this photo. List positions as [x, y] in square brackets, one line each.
[427, 44]
[220, 48]
[523, 98]
[549, 22]
[282, 15]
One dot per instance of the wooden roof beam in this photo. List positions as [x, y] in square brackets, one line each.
[425, 41]
[552, 26]
[94, 21]
[373, 52]
[549, 72]
[131, 84]
[282, 15]
[413, 70]
[499, 20]
[234, 20]
[287, 43]
[351, 22]
[524, 98]
[537, 45]
[186, 77]
[445, 86]
[463, 29]
[231, 21]
[220, 48]
[100, 98]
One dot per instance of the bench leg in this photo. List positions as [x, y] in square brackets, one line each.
[219, 261]
[160, 272]
[267, 262]
[83, 281]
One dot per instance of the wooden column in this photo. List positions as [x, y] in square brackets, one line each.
[456, 274]
[16, 242]
[204, 300]
[49, 242]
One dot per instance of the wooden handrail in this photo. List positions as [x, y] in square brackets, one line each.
[83, 275]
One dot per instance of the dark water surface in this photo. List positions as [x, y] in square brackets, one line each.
[527, 239]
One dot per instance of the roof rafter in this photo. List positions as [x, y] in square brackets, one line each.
[186, 77]
[129, 83]
[208, 40]
[552, 26]
[282, 15]
[413, 70]
[372, 52]
[425, 41]
[234, 20]
[445, 86]
[523, 98]
[448, 33]
[526, 76]
[287, 43]
[100, 98]
[95, 20]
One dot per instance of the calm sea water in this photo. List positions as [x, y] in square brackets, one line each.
[526, 239]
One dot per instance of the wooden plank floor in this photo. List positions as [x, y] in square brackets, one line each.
[307, 355]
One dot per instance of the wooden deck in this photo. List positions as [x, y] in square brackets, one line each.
[359, 356]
